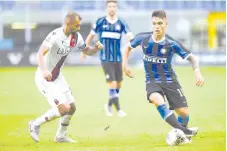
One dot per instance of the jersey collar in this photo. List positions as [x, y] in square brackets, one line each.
[164, 37]
[111, 21]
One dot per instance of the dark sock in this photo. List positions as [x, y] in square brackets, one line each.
[170, 118]
[112, 94]
[116, 103]
[111, 101]
[183, 120]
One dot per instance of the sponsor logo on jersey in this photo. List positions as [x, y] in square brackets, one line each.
[154, 59]
[64, 51]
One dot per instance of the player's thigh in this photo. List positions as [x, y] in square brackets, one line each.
[175, 95]
[40, 83]
[154, 93]
[59, 92]
[118, 71]
[57, 98]
[109, 71]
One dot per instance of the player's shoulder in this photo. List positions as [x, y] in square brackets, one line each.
[56, 32]
[121, 20]
[100, 19]
[170, 40]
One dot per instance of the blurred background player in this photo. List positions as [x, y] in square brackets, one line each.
[161, 80]
[110, 29]
[49, 80]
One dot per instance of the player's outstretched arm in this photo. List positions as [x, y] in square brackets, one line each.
[88, 50]
[195, 64]
[40, 57]
[88, 42]
[125, 62]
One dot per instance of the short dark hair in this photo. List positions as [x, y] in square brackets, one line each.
[159, 13]
[111, 1]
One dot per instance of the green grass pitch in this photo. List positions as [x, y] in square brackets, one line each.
[141, 130]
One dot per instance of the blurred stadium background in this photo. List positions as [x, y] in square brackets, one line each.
[199, 25]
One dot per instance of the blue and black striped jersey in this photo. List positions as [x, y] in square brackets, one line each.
[110, 36]
[158, 56]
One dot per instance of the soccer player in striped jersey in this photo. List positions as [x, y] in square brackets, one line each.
[110, 29]
[49, 79]
[158, 49]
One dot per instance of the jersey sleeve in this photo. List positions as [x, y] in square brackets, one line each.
[97, 26]
[136, 41]
[183, 53]
[81, 44]
[50, 39]
[179, 48]
[126, 28]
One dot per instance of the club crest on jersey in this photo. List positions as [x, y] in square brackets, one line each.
[163, 51]
[118, 27]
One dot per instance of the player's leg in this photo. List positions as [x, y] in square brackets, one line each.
[51, 114]
[119, 79]
[183, 115]
[65, 120]
[178, 102]
[108, 69]
[155, 96]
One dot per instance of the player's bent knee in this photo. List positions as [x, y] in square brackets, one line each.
[156, 99]
[112, 84]
[72, 109]
[64, 109]
[182, 111]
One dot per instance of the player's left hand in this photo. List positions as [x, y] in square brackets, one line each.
[128, 72]
[199, 78]
[99, 45]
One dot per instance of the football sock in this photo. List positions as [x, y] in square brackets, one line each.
[112, 94]
[64, 123]
[113, 98]
[170, 118]
[48, 116]
[183, 120]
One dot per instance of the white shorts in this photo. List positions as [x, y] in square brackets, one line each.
[57, 92]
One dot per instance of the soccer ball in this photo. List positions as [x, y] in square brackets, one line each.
[173, 136]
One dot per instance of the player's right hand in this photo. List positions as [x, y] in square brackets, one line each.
[128, 72]
[47, 75]
[99, 45]
[199, 78]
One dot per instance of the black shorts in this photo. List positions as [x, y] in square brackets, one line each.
[113, 71]
[173, 92]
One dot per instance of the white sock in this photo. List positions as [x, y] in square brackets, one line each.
[48, 116]
[64, 123]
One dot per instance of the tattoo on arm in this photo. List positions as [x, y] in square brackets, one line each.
[194, 62]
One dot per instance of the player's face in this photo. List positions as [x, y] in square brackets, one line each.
[111, 8]
[74, 26]
[158, 25]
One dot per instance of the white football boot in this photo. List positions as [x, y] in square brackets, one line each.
[34, 131]
[64, 139]
[121, 113]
